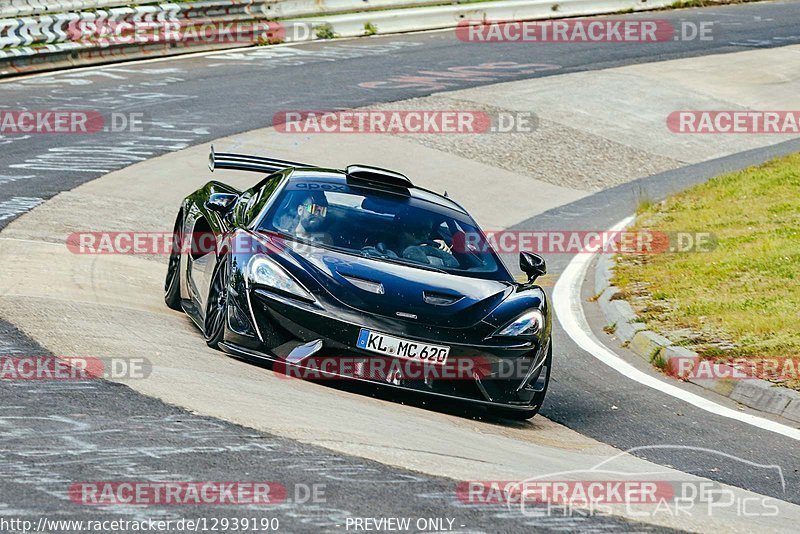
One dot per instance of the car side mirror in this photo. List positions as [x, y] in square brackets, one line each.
[221, 202]
[533, 265]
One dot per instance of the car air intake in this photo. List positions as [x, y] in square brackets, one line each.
[366, 285]
[440, 299]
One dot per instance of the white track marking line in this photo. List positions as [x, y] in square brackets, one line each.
[18, 205]
[569, 309]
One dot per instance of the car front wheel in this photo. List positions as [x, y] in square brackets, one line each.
[217, 306]
[172, 284]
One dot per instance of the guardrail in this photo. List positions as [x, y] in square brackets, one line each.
[27, 8]
[50, 40]
[275, 8]
[448, 16]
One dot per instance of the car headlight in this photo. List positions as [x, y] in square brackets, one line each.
[265, 272]
[528, 324]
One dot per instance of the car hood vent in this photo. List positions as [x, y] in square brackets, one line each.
[366, 285]
[440, 299]
[384, 288]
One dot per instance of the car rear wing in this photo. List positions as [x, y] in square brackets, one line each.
[243, 162]
[356, 174]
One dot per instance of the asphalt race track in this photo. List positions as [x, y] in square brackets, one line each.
[192, 100]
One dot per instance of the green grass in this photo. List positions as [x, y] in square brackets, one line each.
[370, 29]
[325, 31]
[678, 4]
[742, 298]
[659, 361]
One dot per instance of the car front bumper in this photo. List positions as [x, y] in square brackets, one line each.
[490, 372]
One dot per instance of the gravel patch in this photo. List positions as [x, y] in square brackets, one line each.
[552, 152]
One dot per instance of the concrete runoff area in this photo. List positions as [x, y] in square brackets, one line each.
[112, 305]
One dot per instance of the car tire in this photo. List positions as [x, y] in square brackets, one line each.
[217, 308]
[538, 399]
[172, 284]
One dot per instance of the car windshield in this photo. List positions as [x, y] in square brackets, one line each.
[384, 226]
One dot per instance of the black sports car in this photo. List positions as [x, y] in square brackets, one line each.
[359, 274]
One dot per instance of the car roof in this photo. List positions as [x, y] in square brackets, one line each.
[336, 176]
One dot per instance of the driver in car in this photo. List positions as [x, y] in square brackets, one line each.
[424, 247]
[309, 219]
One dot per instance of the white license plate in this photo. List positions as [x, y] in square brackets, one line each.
[401, 348]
